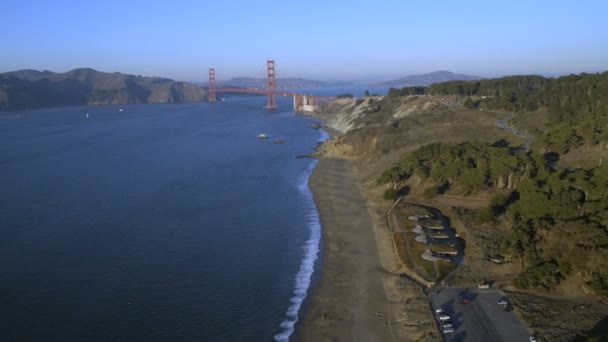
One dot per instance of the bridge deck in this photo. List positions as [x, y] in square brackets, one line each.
[265, 92]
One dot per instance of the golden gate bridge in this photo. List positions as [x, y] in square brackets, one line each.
[301, 102]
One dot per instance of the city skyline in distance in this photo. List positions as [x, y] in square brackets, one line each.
[324, 41]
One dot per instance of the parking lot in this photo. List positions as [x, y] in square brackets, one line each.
[482, 319]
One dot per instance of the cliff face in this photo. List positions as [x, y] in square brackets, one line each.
[31, 89]
[348, 114]
[379, 131]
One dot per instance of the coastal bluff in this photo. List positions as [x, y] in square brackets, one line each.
[25, 89]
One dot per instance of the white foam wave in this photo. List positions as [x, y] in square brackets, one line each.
[324, 136]
[311, 252]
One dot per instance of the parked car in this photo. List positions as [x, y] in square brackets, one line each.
[463, 300]
[448, 331]
[503, 301]
[447, 325]
[532, 339]
[444, 317]
[440, 311]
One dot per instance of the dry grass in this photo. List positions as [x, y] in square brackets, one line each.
[585, 157]
[477, 201]
[558, 319]
[533, 123]
[444, 267]
[440, 248]
[415, 319]
[402, 250]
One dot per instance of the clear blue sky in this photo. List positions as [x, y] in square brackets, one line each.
[314, 39]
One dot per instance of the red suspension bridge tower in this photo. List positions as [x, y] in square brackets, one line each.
[301, 102]
[211, 94]
[272, 84]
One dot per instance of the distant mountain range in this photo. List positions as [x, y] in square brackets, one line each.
[31, 88]
[282, 83]
[430, 78]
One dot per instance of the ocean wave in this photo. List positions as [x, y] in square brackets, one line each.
[324, 136]
[311, 253]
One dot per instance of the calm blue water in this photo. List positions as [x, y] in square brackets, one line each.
[158, 223]
[354, 89]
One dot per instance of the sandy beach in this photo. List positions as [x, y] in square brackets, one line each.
[360, 296]
[350, 302]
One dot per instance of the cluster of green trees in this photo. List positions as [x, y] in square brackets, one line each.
[392, 92]
[472, 166]
[558, 217]
[577, 104]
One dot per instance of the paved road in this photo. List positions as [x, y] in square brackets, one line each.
[483, 320]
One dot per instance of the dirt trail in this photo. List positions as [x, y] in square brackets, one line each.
[506, 125]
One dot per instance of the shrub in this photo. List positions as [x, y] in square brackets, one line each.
[545, 275]
[391, 194]
[469, 103]
[432, 191]
[599, 284]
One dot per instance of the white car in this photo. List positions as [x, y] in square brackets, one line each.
[440, 311]
[448, 331]
[444, 317]
[532, 339]
[447, 325]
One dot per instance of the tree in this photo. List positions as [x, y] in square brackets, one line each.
[468, 103]
[367, 93]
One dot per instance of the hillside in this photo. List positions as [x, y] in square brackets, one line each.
[536, 205]
[454, 139]
[430, 78]
[31, 89]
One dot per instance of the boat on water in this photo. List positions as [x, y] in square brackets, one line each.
[262, 136]
[120, 110]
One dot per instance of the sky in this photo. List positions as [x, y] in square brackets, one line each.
[326, 40]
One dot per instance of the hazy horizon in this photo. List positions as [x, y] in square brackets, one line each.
[322, 41]
[354, 80]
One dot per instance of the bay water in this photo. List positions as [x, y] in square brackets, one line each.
[156, 222]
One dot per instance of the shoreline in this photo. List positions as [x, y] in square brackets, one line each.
[306, 273]
[359, 293]
[349, 301]
[305, 277]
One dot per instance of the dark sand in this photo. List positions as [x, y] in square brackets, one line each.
[350, 302]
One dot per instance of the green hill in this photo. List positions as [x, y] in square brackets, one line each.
[528, 148]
